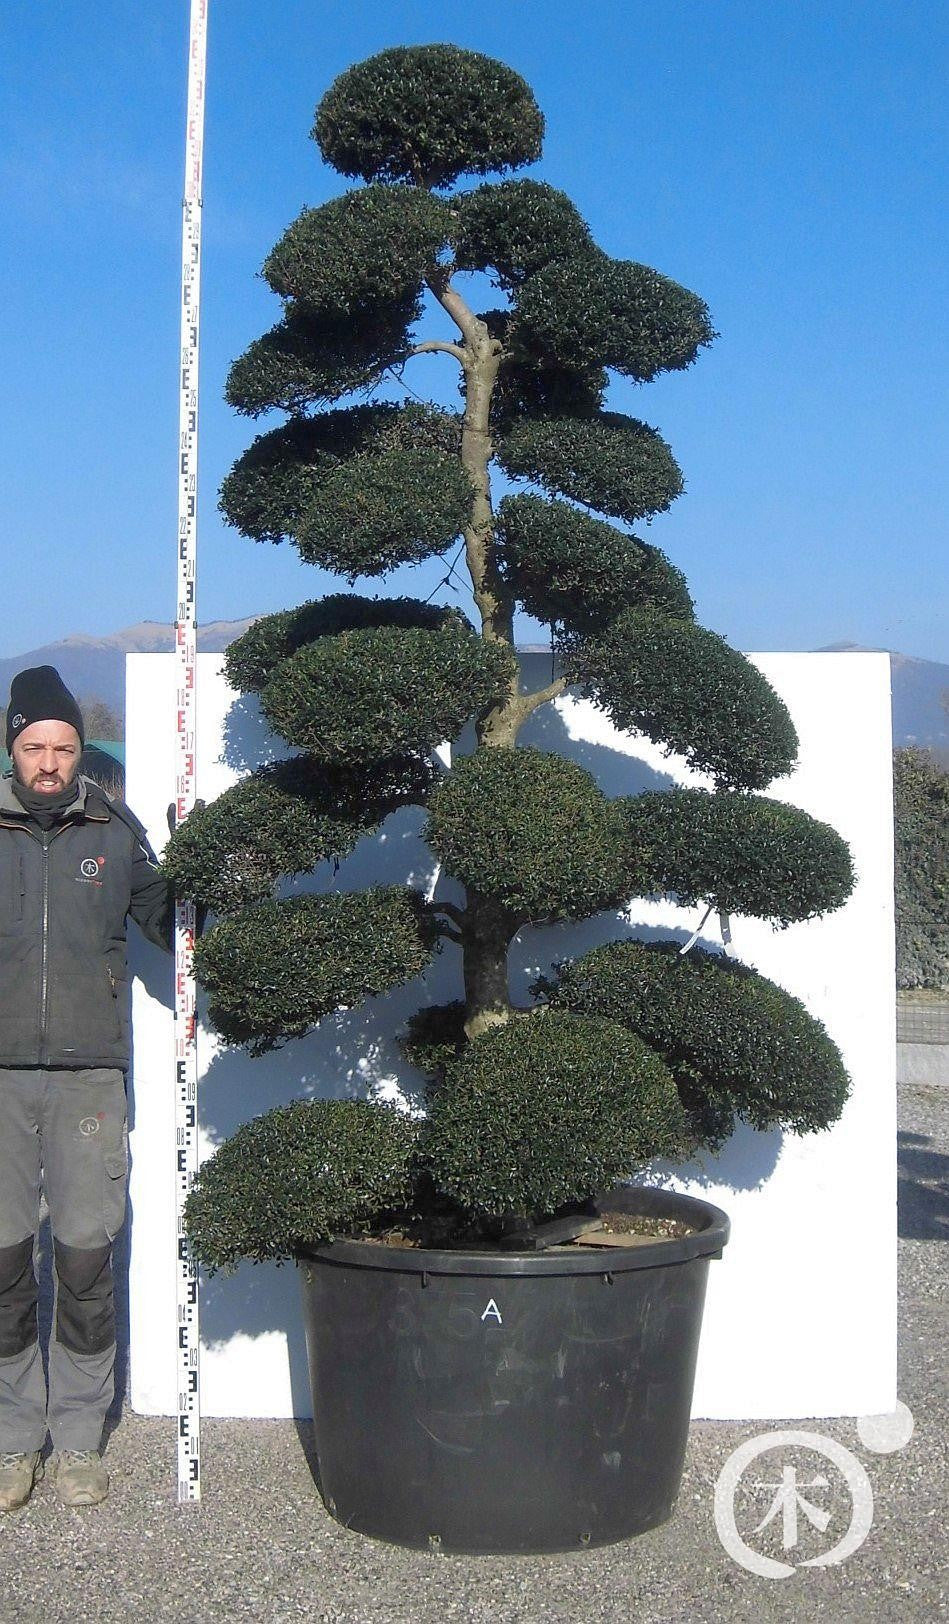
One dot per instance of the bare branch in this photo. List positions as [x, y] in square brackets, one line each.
[433, 909]
[542, 696]
[453, 912]
[474, 331]
[433, 345]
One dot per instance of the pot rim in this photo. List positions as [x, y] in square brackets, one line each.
[711, 1235]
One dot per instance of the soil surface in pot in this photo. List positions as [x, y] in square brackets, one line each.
[606, 1229]
[629, 1229]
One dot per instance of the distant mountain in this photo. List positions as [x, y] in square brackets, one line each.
[94, 668]
[920, 698]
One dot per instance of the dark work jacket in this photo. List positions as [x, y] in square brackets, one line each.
[64, 897]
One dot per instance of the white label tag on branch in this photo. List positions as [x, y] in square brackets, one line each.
[724, 925]
[695, 934]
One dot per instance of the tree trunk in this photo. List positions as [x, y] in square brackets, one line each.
[486, 933]
[487, 929]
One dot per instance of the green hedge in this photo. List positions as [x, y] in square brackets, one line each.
[533, 831]
[387, 691]
[739, 1045]
[921, 809]
[545, 1111]
[597, 311]
[567, 567]
[427, 114]
[607, 461]
[273, 971]
[251, 660]
[301, 1174]
[685, 688]
[744, 853]
[383, 509]
[284, 819]
[515, 229]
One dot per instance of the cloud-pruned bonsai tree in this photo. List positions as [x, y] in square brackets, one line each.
[634, 1050]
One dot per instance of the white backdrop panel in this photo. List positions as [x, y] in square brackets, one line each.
[801, 1312]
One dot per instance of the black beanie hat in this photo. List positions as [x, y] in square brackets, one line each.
[40, 695]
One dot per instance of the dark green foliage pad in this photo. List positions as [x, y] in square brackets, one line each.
[685, 688]
[515, 229]
[382, 509]
[306, 360]
[596, 311]
[526, 386]
[299, 1175]
[252, 658]
[532, 383]
[273, 971]
[364, 249]
[738, 1044]
[364, 695]
[567, 567]
[356, 252]
[540, 1113]
[743, 853]
[271, 486]
[607, 461]
[434, 1035]
[533, 831]
[284, 819]
[427, 114]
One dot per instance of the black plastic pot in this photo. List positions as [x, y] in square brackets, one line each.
[521, 1402]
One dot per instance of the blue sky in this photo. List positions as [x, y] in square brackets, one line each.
[788, 162]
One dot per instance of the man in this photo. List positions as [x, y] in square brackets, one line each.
[74, 863]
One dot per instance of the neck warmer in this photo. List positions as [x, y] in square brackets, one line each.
[45, 809]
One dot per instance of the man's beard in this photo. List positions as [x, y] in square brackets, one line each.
[45, 784]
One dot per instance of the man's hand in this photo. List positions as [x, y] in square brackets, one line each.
[172, 815]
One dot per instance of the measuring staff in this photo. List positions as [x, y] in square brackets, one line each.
[187, 1333]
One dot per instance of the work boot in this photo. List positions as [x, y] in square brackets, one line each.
[18, 1473]
[79, 1476]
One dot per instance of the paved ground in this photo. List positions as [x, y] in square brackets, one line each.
[262, 1547]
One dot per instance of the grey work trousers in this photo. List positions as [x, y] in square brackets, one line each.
[64, 1131]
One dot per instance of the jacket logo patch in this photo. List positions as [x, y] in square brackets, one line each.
[89, 870]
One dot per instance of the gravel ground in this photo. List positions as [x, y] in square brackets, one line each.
[262, 1547]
